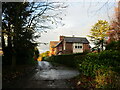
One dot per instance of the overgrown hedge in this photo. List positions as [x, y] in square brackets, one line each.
[114, 45]
[93, 61]
[104, 67]
[68, 60]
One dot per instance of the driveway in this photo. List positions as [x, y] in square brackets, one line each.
[46, 76]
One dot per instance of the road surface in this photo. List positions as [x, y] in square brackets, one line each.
[46, 76]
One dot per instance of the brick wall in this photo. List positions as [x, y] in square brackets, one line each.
[86, 47]
[68, 49]
[59, 48]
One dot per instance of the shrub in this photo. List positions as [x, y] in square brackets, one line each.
[89, 64]
[106, 78]
[93, 61]
[68, 59]
[114, 45]
[103, 67]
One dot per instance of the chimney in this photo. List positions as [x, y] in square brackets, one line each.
[61, 38]
[73, 35]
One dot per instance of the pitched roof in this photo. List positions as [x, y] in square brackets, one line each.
[59, 43]
[53, 43]
[76, 39]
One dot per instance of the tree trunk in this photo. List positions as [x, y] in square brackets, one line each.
[3, 43]
[9, 41]
[102, 44]
[13, 65]
[11, 49]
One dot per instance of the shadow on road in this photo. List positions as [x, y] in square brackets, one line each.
[46, 76]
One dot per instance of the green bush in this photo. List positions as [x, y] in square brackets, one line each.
[94, 61]
[101, 67]
[104, 77]
[88, 64]
[114, 45]
[68, 60]
[64, 59]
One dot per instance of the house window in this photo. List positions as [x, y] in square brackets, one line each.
[75, 46]
[78, 46]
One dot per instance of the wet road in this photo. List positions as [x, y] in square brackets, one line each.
[47, 76]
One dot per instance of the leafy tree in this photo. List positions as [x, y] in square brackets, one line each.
[36, 53]
[21, 24]
[114, 34]
[45, 54]
[114, 45]
[98, 33]
[18, 36]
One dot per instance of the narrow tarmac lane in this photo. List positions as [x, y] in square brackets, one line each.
[47, 76]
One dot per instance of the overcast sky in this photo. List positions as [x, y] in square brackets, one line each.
[80, 16]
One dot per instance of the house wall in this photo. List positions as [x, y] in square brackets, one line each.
[86, 47]
[64, 45]
[68, 48]
[53, 50]
[59, 49]
[77, 50]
